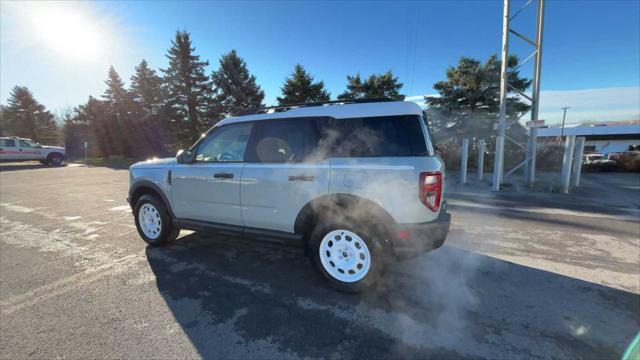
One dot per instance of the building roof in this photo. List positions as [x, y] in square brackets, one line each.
[338, 111]
[591, 129]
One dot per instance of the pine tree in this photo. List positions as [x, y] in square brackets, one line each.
[235, 87]
[93, 123]
[376, 86]
[149, 98]
[188, 89]
[468, 106]
[300, 88]
[469, 99]
[25, 116]
[119, 104]
[146, 88]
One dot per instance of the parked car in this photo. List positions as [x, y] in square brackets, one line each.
[599, 162]
[355, 185]
[21, 149]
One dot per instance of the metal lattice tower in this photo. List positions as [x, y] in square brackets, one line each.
[505, 86]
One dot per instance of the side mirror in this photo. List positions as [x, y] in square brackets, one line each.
[185, 157]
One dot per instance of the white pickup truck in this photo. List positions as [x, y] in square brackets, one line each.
[21, 149]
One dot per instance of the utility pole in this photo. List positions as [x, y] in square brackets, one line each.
[564, 115]
[536, 55]
[499, 156]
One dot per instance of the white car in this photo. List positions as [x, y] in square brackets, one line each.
[356, 185]
[21, 149]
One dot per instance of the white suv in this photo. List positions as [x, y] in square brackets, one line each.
[20, 149]
[354, 184]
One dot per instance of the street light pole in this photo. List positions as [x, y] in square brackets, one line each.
[564, 115]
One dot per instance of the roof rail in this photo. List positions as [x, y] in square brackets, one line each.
[286, 107]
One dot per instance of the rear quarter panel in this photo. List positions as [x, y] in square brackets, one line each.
[391, 182]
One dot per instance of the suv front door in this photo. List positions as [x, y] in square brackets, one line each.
[209, 189]
[284, 170]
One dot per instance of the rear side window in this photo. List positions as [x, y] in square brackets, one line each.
[385, 136]
[282, 141]
[7, 143]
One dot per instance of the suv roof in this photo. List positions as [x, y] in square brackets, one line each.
[338, 110]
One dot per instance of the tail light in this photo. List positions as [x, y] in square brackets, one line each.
[431, 189]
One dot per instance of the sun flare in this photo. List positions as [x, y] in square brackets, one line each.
[68, 29]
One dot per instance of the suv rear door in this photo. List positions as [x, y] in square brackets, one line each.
[209, 189]
[283, 172]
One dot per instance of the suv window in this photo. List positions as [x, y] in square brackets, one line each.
[384, 136]
[226, 144]
[290, 140]
[7, 143]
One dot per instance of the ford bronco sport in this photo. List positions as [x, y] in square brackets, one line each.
[353, 183]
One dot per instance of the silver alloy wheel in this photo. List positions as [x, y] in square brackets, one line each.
[345, 256]
[150, 221]
[56, 160]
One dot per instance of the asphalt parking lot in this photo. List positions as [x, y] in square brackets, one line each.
[517, 278]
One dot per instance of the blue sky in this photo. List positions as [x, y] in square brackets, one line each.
[61, 51]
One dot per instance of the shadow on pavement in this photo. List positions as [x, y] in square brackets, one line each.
[593, 224]
[27, 166]
[237, 299]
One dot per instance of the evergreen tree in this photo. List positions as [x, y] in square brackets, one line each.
[235, 87]
[469, 99]
[146, 88]
[376, 86]
[188, 89]
[468, 106]
[148, 111]
[119, 104]
[300, 88]
[25, 116]
[93, 123]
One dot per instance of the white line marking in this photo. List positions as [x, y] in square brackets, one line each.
[17, 208]
[121, 208]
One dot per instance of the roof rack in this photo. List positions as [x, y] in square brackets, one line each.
[280, 108]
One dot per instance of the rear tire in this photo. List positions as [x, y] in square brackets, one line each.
[153, 222]
[349, 257]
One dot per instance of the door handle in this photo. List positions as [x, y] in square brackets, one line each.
[223, 176]
[301, 178]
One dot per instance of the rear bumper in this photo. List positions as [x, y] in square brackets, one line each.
[419, 238]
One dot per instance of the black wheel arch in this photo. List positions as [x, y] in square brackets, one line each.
[342, 205]
[147, 187]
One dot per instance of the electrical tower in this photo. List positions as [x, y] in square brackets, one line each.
[536, 55]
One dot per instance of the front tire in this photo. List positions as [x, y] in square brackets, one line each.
[153, 221]
[348, 257]
[55, 159]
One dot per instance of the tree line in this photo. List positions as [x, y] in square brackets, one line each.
[161, 111]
